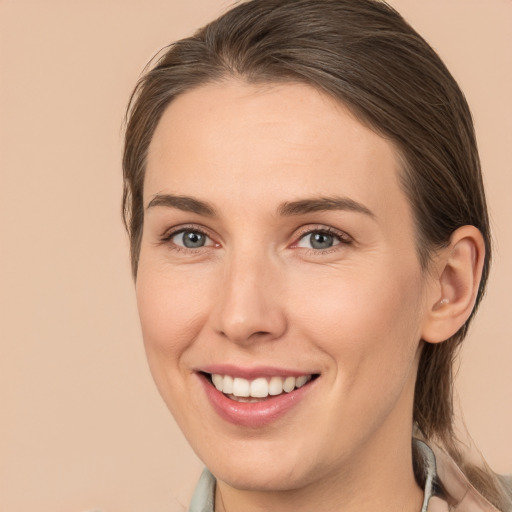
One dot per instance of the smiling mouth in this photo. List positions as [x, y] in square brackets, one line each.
[259, 389]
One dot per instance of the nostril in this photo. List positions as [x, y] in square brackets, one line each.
[241, 336]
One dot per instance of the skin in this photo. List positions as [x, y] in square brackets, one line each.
[257, 293]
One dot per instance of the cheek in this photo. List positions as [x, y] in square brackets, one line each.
[172, 307]
[366, 320]
[171, 313]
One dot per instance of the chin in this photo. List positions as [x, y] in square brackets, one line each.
[262, 479]
[263, 468]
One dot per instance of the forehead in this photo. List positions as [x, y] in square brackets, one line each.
[234, 140]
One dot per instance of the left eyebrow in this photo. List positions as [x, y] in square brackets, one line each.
[319, 204]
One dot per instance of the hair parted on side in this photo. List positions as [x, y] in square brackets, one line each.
[363, 54]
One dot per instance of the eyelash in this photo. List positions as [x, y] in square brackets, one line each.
[169, 235]
[343, 238]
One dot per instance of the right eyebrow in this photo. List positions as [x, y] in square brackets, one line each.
[184, 203]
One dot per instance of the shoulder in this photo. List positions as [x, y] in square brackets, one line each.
[454, 487]
[506, 480]
[203, 499]
[506, 483]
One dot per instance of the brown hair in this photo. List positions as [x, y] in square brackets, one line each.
[362, 53]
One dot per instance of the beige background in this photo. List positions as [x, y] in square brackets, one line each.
[81, 425]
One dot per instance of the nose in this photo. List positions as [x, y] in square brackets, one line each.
[250, 305]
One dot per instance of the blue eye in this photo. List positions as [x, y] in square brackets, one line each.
[319, 240]
[191, 239]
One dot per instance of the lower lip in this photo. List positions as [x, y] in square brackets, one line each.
[255, 414]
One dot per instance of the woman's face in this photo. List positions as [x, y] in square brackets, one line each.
[278, 248]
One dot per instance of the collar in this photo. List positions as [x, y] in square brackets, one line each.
[444, 484]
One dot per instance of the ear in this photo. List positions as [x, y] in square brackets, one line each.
[457, 271]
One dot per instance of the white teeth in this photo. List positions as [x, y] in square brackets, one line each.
[300, 381]
[257, 388]
[241, 387]
[289, 384]
[227, 386]
[275, 386]
[218, 381]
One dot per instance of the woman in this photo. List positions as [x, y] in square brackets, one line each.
[309, 239]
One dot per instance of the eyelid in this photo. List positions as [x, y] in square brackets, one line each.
[344, 237]
[170, 233]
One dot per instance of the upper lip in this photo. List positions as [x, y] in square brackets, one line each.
[251, 373]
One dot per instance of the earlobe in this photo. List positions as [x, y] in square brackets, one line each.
[453, 292]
